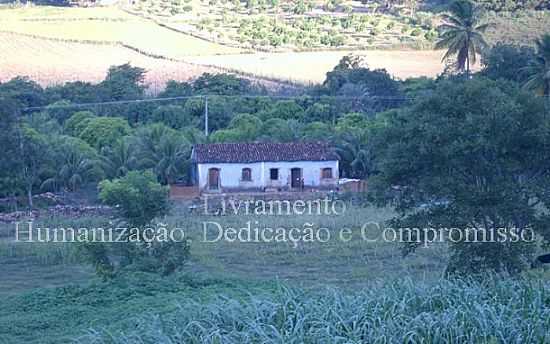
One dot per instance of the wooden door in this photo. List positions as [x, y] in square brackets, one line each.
[296, 178]
[213, 179]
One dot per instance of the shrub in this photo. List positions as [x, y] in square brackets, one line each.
[416, 32]
[138, 198]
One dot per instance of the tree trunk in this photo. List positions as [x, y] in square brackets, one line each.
[468, 66]
[468, 56]
[29, 196]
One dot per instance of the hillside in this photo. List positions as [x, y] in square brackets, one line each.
[181, 40]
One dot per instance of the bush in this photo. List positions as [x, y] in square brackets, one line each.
[137, 198]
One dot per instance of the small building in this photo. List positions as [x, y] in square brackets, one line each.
[234, 167]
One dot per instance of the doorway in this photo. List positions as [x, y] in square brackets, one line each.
[214, 179]
[296, 178]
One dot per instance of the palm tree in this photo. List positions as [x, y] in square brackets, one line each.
[118, 159]
[172, 159]
[462, 34]
[75, 170]
[357, 154]
[539, 69]
[163, 150]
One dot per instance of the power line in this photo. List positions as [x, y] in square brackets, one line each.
[151, 100]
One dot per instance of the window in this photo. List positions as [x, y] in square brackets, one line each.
[246, 175]
[274, 174]
[326, 173]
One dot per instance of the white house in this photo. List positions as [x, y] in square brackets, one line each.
[226, 167]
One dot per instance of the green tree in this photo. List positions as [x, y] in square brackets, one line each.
[10, 143]
[23, 91]
[176, 89]
[539, 68]
[277, 130]
[174, 116]
[74, 170]
[319, 112]
[100, 132]
[138, 199]
[355, 144]
[367, 90]
[221, 84]
[473, 154]
[163, 150]
[505, 61]
[119, 159]
[72, 164]
[60, 110]
[43, 123]
[284, 109]
[33, 157]
[75, 92]
[77, 122]
[123, 82]
[462, 34]
[317, 131]
[242, 128]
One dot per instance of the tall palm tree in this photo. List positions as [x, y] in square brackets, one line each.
[462, 34]
[539, 69]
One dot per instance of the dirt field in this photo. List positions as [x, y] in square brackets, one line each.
[311, 67]
[107, 25]
[51, 63]
[164, 53]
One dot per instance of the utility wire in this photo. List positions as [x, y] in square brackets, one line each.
[151, 100]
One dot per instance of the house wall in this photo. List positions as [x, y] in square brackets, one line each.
[230, 175]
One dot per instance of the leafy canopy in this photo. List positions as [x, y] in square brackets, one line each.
[474, 154]
[138, 196]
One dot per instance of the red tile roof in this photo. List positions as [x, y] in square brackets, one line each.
[264, 151]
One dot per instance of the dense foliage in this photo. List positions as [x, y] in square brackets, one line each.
[481, 161]
[138, 199]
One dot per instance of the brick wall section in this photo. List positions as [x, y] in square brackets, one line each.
[184, 192]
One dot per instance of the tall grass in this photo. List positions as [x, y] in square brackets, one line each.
[39, 253]
[495, 311]
[46, 253]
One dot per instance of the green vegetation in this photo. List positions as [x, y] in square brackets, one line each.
[146, 309]
[462, 34]
[303, 25]
[460, 151]
[539, 69]
[497, 135]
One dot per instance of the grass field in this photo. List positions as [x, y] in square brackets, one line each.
[337, 263]
[233, 292]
